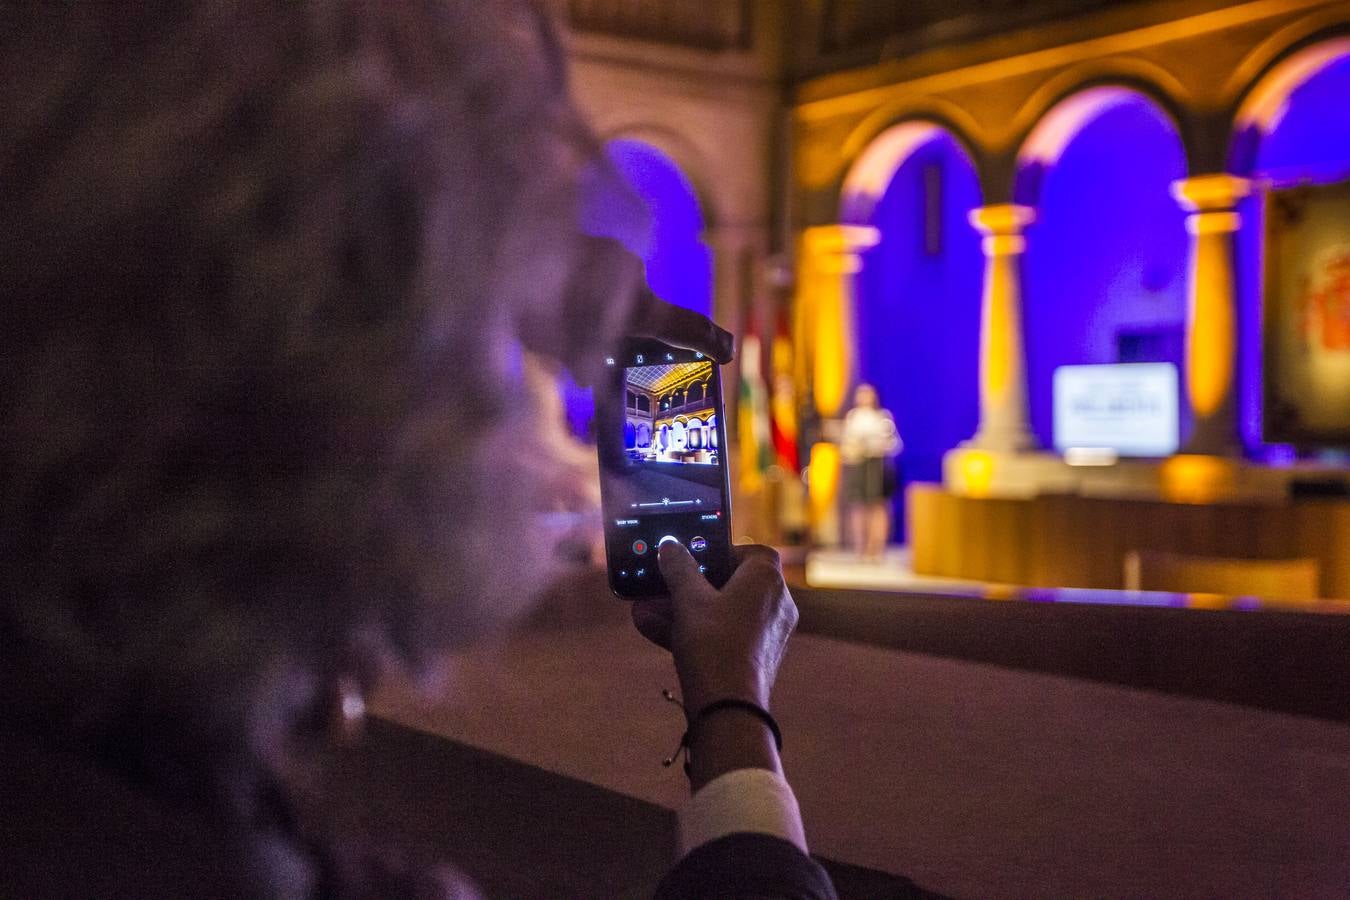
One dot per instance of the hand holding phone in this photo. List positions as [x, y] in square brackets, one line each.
[725, 643]
[663, 474]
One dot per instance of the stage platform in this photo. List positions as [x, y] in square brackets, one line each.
[1087, 541]
[893, 572]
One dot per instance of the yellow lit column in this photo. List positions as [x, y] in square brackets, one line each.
[1211, 308]
[1003, 390]
[830, 257]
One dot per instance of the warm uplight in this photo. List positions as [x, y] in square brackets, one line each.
[1208, 601]
[1191, 478]
[822, 479]
[1001, 592]
[976, 468]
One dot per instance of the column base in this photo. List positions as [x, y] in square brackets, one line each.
[1215, 435]
[1012, 441]
[974, 471]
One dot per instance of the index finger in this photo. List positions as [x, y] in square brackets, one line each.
[679, 327]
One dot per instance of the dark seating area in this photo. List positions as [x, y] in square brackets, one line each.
[1289, 661]
[975, 748]
[524, 832]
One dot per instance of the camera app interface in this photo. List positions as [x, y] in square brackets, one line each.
[669, 483]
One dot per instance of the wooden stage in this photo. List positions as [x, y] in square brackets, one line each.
[1071, 540]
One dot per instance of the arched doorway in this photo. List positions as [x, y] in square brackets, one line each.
[918, 291]
[662, 221]
[679, 264]
[1104, 269]
[1292, 129]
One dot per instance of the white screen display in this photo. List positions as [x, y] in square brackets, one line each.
[1131, 408]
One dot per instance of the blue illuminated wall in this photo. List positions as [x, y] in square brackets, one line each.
[679, 265]
[660, 221]
[918, 313]
[1104, 270]
[1311, 143]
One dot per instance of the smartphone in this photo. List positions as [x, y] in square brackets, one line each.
[661, 437]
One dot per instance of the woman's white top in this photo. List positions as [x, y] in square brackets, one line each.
[868, 433]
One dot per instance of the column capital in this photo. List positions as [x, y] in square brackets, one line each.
[1002, 219]
[1002, 227]
[837, 249]
[1201, 194]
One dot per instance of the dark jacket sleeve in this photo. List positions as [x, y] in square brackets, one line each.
[747, 866]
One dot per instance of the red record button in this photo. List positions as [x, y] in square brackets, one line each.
[640, 547]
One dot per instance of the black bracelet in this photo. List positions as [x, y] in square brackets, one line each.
[687, 739]
[754, 709]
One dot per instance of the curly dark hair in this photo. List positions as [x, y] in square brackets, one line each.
[269, 268]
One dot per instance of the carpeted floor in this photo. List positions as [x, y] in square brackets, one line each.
[971, 779]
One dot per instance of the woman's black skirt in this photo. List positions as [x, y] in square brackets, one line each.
[871, 481]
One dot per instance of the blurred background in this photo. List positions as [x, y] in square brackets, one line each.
[1094, 257]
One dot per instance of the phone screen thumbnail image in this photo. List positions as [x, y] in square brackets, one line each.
[671, 445]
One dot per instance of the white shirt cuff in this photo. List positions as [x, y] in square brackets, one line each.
[754, 800]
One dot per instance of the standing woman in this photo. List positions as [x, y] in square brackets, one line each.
[869, 445]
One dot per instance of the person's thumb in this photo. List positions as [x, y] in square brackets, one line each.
[679, 569]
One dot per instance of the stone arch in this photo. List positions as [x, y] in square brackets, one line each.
[877, 151]
[1103, 273]
[1057, 125]
[916, 292]
[668, 228]
[1260, 105]
[687, 157]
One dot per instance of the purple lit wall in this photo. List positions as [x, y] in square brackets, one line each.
[1104, 270]
[679, 266]
[918, 313]
[661, 221]
[1310, 142]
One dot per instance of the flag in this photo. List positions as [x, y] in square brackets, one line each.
[783, 402]
[752, 424]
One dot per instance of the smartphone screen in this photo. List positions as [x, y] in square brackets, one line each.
[663, 471]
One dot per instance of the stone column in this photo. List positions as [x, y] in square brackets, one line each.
[831, 256]
[736, 251]
[1003, 388]
[1211, 309]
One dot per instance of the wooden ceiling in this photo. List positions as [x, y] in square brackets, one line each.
[717, 25]
[817, 36]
